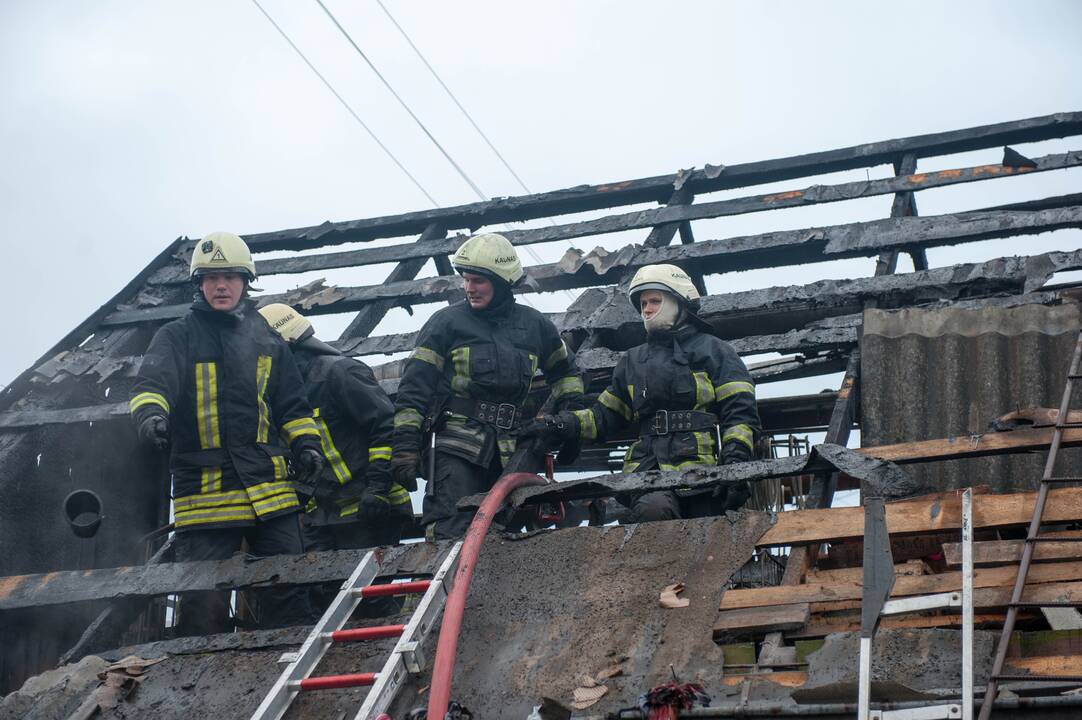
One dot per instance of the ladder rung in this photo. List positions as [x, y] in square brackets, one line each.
[1067, 425]
[1062, 479]
[1046, 539]
[1047, 604]
[406, 588]
[332, 682]
[1038, 678]
[367, 633]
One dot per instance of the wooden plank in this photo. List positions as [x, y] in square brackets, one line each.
[61, 587]
[999, 552]
[754, 620]
[731, 254]
[856, 574]
[903, 586]
[984, 598]
[1054, 665]
[656, 189]
[823, 625]
[665, 221]
[369, 316]
[956, 448]
[785, 678]
[928, 513]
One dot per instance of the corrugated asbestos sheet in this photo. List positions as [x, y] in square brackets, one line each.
[948, 372]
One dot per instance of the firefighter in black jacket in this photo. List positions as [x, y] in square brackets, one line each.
[220, 390]
[687, 391]
[468, 379]
[358, 506]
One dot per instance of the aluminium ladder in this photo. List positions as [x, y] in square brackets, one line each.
[404, 659]
[1032, 538]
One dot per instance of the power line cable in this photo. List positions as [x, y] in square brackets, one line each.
[458, 168]
[402, 102]
[454, 99]
[346, 105]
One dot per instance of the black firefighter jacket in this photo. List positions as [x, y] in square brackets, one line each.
[490, 355]
[355, 419]
[229, 386]
[684, 370]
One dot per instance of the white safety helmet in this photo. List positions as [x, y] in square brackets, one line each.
[287, 322]
[222, 252]
[491, 255]
[667, 278]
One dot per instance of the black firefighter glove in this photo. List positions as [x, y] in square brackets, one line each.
[309, 464]
[374, 501]
[154, 431]
[732, 496]
[554, 432]
[404, 468]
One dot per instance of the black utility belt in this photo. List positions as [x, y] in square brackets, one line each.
[670, 421]
[505, 416]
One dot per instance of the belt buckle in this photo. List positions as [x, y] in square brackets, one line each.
[505, 416]
[661, 422]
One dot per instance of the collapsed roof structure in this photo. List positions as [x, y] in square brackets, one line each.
[928, 357]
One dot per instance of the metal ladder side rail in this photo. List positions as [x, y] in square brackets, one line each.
[281, 694]
[406, 656]
[1016, 602]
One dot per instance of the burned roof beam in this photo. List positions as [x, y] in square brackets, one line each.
[657, 189]
[665, 221]
[741, 253]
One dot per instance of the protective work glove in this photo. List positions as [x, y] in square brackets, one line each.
[309, 464]
[154, 431]
[404, 468]
[374, 500]
[732, 496]
[552, 430]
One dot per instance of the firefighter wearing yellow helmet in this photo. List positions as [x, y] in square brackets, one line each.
[686, 391]
[223, 394]
[356, 504]
[468, 383]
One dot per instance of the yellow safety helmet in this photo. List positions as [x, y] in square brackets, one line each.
[222, 252]
[489, 254]
[667, 278]
[287, 322]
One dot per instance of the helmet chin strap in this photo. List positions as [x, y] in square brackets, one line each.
[666, 318]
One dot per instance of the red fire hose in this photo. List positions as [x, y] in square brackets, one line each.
[439, 695]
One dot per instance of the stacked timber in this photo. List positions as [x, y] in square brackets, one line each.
[772, 630]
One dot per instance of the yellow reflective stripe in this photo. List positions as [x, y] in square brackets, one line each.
[614, 403]
[556, 356]
[281, 472]
[740, 433]
[350, 509]
[704, 447]
[206, 405]
[587, 426]
[266, 490]
[533, 364]
[334, 458]
[148, 398]
[506, 447]
[567, 386]
[210, 480]
[205, 500]
[704, 391]
[262, 377]
[427, 355]
[220, 515]
[408, 417]
[398, 495]
[276, 503]
[460, 359]
[383, 452]
[732, 388]
[301, 426]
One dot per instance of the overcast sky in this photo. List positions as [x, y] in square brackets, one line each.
[127, 124]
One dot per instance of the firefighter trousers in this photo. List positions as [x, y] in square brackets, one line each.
[207, 612]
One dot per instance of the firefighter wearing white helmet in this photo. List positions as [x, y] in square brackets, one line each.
[468, 383]
[355, 504]
[222, 393]
[687, 391]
